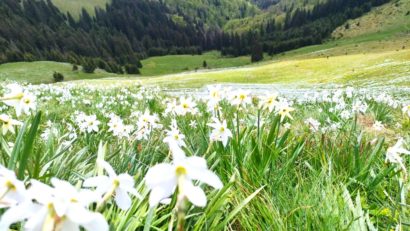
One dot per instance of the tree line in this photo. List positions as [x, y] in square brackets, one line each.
[301, 27]
[118, 37]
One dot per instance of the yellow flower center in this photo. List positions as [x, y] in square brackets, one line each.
[180, 171]
[116, 183]
[10, 185]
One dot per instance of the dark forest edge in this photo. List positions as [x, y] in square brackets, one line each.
[117, 38]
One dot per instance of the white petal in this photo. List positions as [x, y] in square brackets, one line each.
[126, 180]
[68, 225]
[36, 221]
[96, 181]
[107, 168]
[97, 223]
[122, 199]
[79, 214]
[159, 193]
[160, 174]
[17, 213]
[196, 162]
[194, 194]
[209, 178]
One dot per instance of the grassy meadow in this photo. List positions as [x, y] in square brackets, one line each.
[75, 6]
[331, 160]
[170, 64]
[42, 72]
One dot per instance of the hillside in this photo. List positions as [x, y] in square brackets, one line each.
[391, 18]
[213, 13]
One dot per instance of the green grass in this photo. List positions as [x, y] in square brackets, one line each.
[392, 17]
[180, 63]
[75, 6]
[274, 178]
[42, 72]
[357, 68]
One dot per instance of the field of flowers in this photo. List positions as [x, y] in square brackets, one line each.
[133, 158]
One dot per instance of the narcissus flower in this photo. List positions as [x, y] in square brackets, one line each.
[269, 102]
[284, 111]
[113, 185]
[62, 207]
[220, 131]
[393, 154]
[8, 124]
[12, 190]
[163, 179]
[21, 100]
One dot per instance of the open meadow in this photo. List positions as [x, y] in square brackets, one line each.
[311, 138]
[328, 160]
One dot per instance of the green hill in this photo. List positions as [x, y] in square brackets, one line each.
[391, 18]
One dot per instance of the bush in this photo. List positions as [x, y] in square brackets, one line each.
[75, 67]
[132, 69]
[58, 77]
[89, 66]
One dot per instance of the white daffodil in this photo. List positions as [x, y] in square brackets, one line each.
[284, 111]
[89, 124]
[269, 102]
[113, 185]
[174, 136]
[240, 98]
[406, 110]
[60, 208]
[393, 154]
[220, 131]
[163, 179]
[187, 105]
[21, 100]
[313, 124]
[8, 124]
[12, 190]
[115, 125]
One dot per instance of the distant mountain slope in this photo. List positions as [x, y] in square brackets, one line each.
[391, 18]
[276, 12]
[213, 12]
[201, 11]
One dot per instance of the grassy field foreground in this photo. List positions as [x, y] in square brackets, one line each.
[232, 161]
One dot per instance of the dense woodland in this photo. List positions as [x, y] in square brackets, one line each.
[301, 27]
[128, 31]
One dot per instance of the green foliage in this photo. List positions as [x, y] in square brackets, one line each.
[89, 66]
[132, 69]
[274, 177]
[58, 77]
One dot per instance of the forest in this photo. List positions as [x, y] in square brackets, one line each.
[128, 31]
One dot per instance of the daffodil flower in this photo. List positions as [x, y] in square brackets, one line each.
[22, 101]
[163, 179]
[113, 185]
[284, 111]
[220, 131]
[8, 124]
[12, 190]
[393, 155]
[62, 207]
